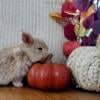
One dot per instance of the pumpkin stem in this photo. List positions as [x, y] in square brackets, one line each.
[49, 59]
[98, 41]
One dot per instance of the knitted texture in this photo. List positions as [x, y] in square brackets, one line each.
[31, 16]
[84, 63]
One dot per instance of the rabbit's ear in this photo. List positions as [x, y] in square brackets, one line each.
[27, 38]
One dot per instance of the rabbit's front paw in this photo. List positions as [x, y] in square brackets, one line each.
[24, 70]
[17, 83]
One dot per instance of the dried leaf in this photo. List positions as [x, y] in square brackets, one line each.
[72, 14]
[80, 30]
[89, 12]
[58, 18]
[56, 15]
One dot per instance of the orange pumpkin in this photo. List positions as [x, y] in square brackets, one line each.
[49, 76]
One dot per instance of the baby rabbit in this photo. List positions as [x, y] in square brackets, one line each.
[15, 61]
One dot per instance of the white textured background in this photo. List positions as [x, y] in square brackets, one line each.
[31, 16]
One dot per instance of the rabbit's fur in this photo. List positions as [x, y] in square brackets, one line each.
[15, 61]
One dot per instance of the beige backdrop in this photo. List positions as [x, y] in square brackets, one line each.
[31, 16]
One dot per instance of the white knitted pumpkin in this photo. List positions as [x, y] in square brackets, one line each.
[84, 63]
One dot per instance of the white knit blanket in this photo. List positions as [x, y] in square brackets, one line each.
[32, 16]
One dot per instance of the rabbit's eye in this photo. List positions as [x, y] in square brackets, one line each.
[40, 49]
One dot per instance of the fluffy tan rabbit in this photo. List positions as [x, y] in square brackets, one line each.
[15, 61]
